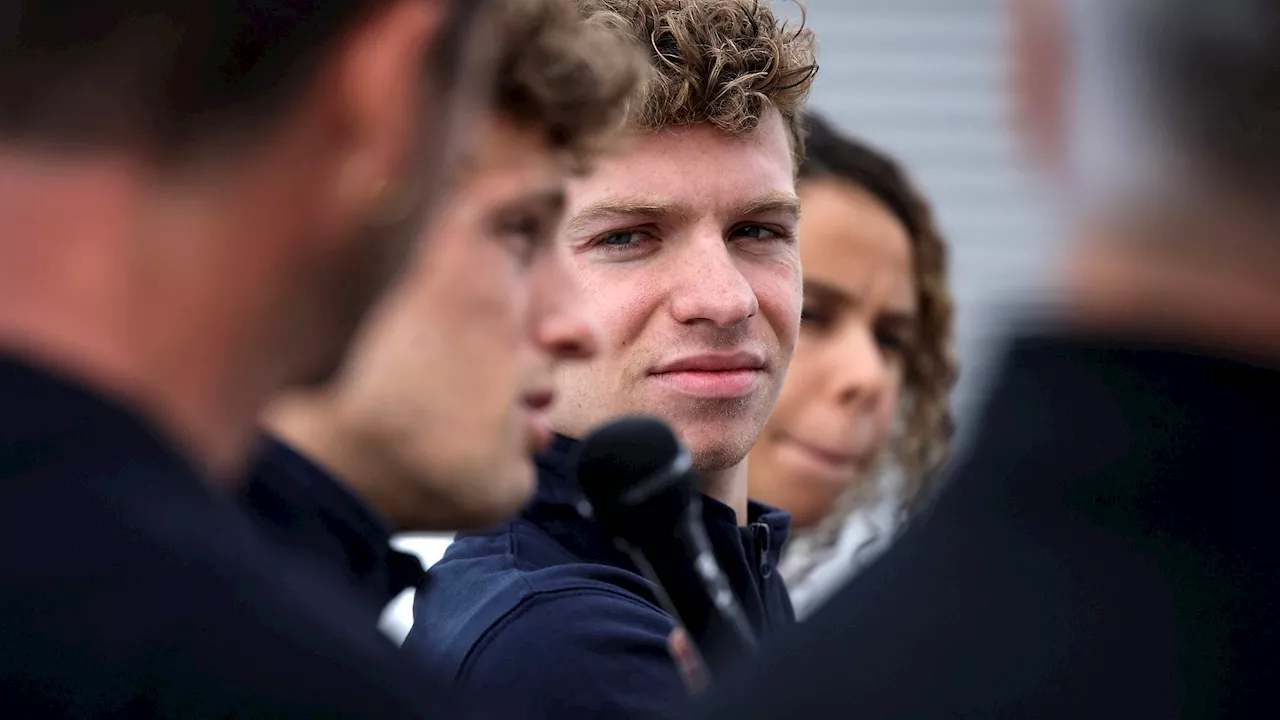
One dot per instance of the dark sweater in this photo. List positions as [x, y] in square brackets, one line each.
[324, 524]
[545, 613]
[1107, 549]
[128, 588]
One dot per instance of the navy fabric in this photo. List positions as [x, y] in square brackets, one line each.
[1106, 550]
[547, 615]
[129, 588]
[323, 523]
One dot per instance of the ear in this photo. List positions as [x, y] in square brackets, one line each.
[380, 86]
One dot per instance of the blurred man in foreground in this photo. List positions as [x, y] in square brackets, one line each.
[434, 421]
[198, 203]
[1106, 550]
[685, 244]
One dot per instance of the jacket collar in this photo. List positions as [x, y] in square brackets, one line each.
[311, 510]
[558, 490]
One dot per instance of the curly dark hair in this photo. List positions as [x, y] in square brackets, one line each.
[930, 366]
[722, 62]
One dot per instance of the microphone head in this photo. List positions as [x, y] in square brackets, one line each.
[638, 477]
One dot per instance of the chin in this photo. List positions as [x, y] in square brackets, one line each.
[718, 440]
[718, 447]
[719, 434]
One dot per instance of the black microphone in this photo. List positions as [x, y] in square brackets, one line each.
[644, 490]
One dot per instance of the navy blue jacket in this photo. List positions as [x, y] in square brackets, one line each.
[130, 588]
[317, 518]
[1107, 550]
[545, 613]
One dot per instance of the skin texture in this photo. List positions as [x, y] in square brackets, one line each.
[684, 245]
[836, 412]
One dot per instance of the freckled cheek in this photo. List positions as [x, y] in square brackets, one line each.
[623, 304]
[779, 293]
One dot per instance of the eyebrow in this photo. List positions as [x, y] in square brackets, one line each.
[829, 293]
[550, 200]
[782, 203]
[622, 208]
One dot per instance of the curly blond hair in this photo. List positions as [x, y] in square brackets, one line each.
[571, 79]
[926, 423]
[723, 62]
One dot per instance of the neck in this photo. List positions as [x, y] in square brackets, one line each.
[313, 424]
[1214, 285]
[729, 486]
[96, 284]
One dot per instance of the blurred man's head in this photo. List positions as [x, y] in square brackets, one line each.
[249, 174]
[1134, 101]
[1158, 120]
[437, 416]
[685, 242]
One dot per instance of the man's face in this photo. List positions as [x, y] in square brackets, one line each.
[685, 248]
[450, 379]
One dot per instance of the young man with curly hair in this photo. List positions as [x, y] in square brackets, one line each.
[684, 242]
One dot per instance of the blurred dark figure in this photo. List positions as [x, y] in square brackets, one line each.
[198, 201]
[1106, 548]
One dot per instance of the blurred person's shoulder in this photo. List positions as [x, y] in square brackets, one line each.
[1116, 482]
[130, 585]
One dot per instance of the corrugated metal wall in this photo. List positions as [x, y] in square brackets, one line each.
[925, 80]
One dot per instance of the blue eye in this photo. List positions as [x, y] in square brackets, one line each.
[626, 244]
[755, 232]
[620, 239]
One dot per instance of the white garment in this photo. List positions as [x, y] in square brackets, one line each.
[814, 572]
[397, 617]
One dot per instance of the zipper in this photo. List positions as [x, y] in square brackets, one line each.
[760, 532]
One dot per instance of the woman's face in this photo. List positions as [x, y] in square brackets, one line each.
[840, 401]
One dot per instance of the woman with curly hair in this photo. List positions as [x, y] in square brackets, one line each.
[864, 417]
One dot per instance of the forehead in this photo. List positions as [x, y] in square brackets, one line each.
[847, 237]
[698, 166]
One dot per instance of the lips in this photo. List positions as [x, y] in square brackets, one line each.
[537, 427]
[713, 375]
[840, 462]
[538, 400]
[714, 362]
[829, 456]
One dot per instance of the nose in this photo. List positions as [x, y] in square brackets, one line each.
[563, 327]
[857, 368]
[710, 287]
